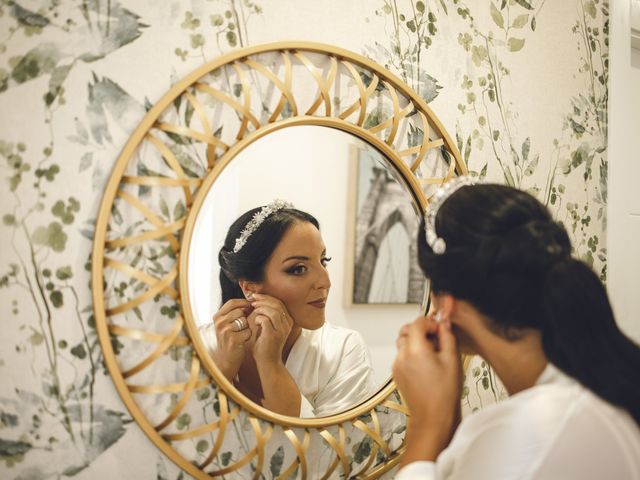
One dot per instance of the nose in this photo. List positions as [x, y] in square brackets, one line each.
[323, 281]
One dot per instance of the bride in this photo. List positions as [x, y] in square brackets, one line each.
[270, 337]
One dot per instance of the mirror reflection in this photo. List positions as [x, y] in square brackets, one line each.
[272, 284]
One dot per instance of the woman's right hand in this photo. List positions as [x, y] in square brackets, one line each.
[230, 349]
[428, 373]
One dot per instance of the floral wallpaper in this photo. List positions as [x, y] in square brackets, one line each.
[521, 84]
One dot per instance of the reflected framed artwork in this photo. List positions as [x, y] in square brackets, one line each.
[383, 221]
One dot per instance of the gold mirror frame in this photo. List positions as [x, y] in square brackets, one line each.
[138, 350]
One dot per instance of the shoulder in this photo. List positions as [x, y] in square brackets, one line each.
[337, 335]
[525, 422]
[546, 427]
[329, 330]
[594, 437]
[337, 349]
[540, 408]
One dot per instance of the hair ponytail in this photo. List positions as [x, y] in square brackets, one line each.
[580, 336]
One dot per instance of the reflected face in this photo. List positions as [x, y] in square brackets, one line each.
[296, 274]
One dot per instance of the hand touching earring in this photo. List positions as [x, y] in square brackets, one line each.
[428, 373]
[275, 325]
[232, 333]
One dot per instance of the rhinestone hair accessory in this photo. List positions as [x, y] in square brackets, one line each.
[436, 243]
[257, 220]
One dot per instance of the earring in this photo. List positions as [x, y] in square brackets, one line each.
[249, 296]
[438, 317]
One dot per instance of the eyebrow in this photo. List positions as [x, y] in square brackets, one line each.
[295, 257]
[301, 257]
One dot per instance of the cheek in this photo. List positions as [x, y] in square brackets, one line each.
[289, 290]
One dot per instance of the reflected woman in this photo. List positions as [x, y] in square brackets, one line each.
[270, 337]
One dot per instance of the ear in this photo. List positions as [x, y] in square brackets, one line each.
[445, 304]
[249, 288]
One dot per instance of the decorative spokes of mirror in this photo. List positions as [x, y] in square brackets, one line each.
[143, 312]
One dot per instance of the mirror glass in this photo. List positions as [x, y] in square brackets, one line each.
[368, 222]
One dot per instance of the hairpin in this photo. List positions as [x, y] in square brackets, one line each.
[257, 220]
[436, 243]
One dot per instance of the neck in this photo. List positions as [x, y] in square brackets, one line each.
[518, 363]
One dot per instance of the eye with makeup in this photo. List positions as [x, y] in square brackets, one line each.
[301, 268]
[298, 269]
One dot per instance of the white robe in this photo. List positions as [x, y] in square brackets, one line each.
[555, 430]
[331, 367]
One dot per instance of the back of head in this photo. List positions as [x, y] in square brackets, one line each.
[248, 262]
[507, 256]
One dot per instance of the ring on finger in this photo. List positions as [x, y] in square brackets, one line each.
[239, 324]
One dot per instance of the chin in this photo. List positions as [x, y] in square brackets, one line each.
[312, 322]
[315, 325]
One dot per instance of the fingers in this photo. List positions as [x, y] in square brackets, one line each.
[230, 311]
[222, 320]
[245, 335]
[418, 334]
[402, 337]
[448, 343]
[236, 331]
[232, 305]
[423, 326]
[424, 334]
[277, 319]
[274, 309]
[239, 324]
[441, 331]
[231, 323]
[261, 300]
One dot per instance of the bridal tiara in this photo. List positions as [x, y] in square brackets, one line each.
[257, 220]
[437, 243]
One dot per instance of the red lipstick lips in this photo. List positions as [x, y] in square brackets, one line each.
[320, 303]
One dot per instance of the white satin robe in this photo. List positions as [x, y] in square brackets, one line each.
[555, 430]
[331, 367]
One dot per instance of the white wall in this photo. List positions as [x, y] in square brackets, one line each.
[623, 230]
[309, 166]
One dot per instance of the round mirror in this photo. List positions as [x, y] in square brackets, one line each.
[280, 120]
[368, 220]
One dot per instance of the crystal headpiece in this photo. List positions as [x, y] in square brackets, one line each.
[436, 243]
[257, 220]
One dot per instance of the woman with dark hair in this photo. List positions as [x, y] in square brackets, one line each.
[505, 287]
[270, 337]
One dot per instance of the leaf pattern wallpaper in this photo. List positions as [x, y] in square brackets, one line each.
[522, 85]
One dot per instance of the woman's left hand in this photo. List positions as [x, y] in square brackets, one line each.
[428, 373]
[275, 325]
